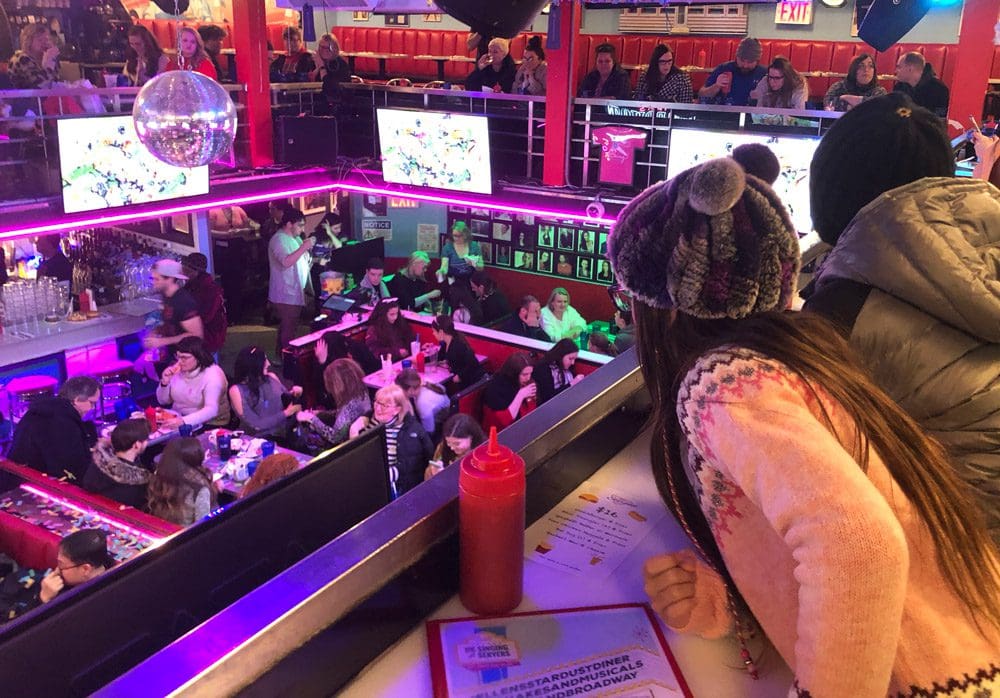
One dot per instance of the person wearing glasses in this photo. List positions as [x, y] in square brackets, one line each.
[461, 256]
[82, 556]
[783, 87]
[53, 437]
[408, 447]
[195, 386]
[663, 81]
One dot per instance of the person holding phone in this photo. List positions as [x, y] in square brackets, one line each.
[731, 82]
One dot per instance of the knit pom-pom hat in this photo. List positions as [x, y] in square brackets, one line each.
[713, 242]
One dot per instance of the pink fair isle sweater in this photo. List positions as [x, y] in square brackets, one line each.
[835, 563]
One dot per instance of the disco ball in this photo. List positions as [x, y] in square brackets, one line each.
[185, 118]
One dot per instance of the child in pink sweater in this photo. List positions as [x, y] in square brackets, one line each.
[819, 511]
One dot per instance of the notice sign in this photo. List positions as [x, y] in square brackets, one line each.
[427, 238]
[373, 228]
[607, 650]
[793, 12]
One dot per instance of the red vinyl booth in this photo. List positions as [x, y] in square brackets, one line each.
[33, 546]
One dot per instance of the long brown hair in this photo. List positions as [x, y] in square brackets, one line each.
[793, 79]
[344, 381]
[179, 471]
[153, 52]
[669, 343]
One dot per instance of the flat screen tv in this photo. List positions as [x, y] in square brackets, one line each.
[689, 147]
[103, 164]
[435, 149]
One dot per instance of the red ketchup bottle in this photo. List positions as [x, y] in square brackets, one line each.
[418, 362]
[491, 488]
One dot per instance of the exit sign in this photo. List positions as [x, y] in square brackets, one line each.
[793, 12]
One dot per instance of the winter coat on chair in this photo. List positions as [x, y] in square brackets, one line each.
[914, 281]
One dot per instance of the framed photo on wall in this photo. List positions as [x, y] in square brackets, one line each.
[585, 242]
[602, 244]
[487, 250]
[397, 20]
[480, 229]
[524, 260]
[546, 235]
[526, 240]
[584, 268]
[567, 239]
[314, 203]
[545, 261]
[501, 231]
[604, 272]
[565, 264]
[501, 257]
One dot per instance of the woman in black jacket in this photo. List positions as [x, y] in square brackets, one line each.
[554, 371]
[495, 69]
[407, 445]
[457, 352]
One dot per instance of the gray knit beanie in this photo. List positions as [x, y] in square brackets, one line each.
[713, 242]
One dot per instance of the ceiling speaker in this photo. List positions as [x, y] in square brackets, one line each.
[888, 21]
[503, 19]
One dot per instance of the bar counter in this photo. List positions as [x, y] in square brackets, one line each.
[31, 340]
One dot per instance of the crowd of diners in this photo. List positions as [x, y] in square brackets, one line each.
[742, 81]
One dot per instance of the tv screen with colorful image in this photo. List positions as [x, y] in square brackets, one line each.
[435, 149]
[103, 164]
[690, 147]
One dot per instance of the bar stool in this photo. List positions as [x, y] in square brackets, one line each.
[21, 391]
[113, 377]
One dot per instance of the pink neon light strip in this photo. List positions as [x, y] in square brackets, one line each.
[89, 512]
[494, 206]
[111, 219]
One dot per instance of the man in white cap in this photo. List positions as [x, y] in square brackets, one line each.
[180, 316]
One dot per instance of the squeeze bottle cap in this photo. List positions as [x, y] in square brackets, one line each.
[492, 469]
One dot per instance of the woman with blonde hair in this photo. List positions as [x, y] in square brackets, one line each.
[408, 447]
[36, 65]
[191, 54]
[409, 284]
[495, 70]
[560, 320]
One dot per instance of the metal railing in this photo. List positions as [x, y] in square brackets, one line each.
[659, 119]
[29, 156]
[516, 122]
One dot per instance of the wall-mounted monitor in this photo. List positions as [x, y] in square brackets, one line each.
[435, 149]
[690, 147]
[103, 164]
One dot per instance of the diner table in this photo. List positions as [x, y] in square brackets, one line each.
[441, 60]
[381, 57]
[437, 372]
[249, 453]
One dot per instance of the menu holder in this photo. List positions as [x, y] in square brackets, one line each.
[601, 650]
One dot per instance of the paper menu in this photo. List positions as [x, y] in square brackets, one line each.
[592, 530]
[604, 650]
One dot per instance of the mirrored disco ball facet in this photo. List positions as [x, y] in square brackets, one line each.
[185, 118]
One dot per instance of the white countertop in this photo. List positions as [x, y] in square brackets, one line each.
[712, 668]
[31, 340]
